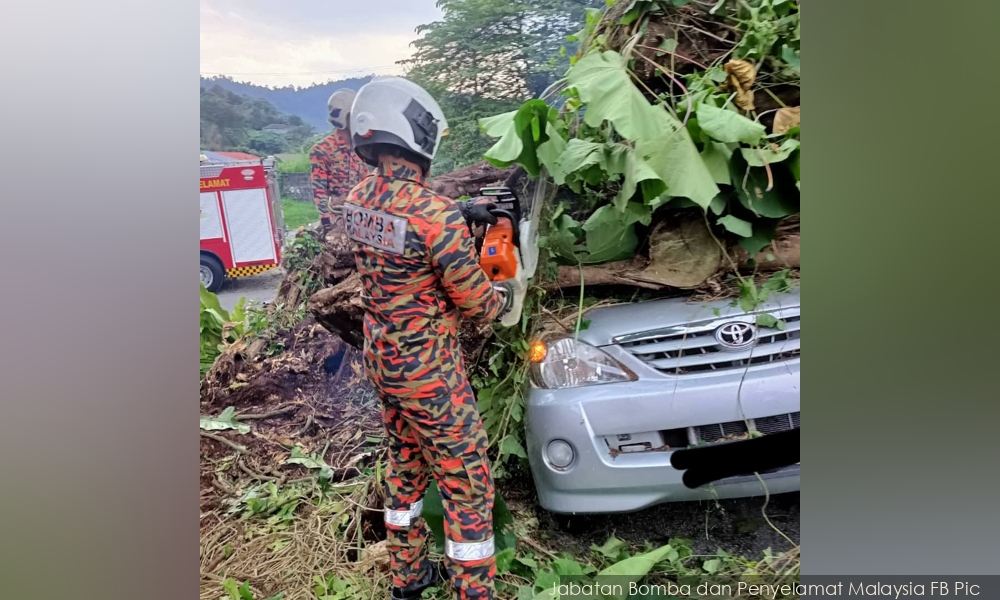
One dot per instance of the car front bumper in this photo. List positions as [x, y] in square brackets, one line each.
[598, 481]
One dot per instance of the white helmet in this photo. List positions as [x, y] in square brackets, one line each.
[339, 107]
[396, 112]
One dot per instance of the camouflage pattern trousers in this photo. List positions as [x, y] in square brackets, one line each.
[441, 438]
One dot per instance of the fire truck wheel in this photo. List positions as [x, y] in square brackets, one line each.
[212, 274]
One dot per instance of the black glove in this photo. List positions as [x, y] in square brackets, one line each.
[478, 212]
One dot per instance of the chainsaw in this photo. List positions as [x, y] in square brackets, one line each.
[508, 252]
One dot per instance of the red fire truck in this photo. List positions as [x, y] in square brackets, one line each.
[242, 229]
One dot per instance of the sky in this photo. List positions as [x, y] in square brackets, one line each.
[300, 42]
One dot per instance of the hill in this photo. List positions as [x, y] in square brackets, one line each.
[231, 121]
[309, 103]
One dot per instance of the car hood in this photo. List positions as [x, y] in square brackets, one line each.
[613, 321]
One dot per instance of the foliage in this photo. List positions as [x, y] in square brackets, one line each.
[218, 327]
[485, 57]
[500, 385]
[225, 420]
[308, 104]
[230, 121]
[298, 164]
[615, 566]
[298, 213]
[626, 148]
[236, 591]
[333, 587]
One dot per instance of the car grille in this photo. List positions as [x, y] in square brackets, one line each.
[692, 348]
[737, 429]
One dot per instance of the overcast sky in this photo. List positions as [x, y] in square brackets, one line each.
[300, 42]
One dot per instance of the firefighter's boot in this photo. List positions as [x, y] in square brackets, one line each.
[435, 575]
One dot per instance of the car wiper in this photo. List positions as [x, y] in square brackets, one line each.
[705, 464]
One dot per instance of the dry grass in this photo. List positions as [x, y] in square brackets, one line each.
[286, 556]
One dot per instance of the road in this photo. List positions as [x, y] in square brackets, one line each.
[258, 288]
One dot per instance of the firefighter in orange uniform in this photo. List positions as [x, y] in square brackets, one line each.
[334, 167]
[420, 276]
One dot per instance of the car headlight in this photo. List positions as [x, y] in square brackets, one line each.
[567, 363]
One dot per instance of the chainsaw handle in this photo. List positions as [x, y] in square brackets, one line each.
[506, 214]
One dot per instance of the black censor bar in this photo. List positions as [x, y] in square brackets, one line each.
[705, 464]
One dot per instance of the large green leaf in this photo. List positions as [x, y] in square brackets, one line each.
[630, 570]
[523, 140]
[503, 521]
[728, 126]
[636, 170]
[610, 233]
[578, 156]
[211, 301]
[561, 237]
[669, 150]
[716, 158]
[662, 145]
[605, 87]
[751, 188]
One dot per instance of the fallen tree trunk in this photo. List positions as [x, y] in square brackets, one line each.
[468, 181]
[683, 255]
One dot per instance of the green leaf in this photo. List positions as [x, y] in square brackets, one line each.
[605, 86]
[210, 300]
[510, 445]
[752, 192]
[763, 234]
[637, 171]
[711, 566]
[728, 126]
[669, 150]
[716, 158]
[738, 226]
[561, 238]
[225, 420]
[611, 233]
[546, 579]
[718, 204]
[793, 166]
[791, 56]
[758, 157]
[611, 548]
[231, 587]
[578, 156]
[770, 322]
[565, 566]
[245, 593]
[518, 141]
[310, 462]
[631, 570]
[504, 558]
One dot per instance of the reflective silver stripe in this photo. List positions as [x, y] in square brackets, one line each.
[399, 518]
[467, 551]
[404, 518]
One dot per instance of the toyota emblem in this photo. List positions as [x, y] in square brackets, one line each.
[736, 335]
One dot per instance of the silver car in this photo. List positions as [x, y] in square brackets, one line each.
[605, 411]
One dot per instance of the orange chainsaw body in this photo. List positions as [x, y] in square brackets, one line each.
[499, 253]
